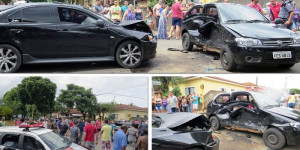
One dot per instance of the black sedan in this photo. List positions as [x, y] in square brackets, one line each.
[255, 112]
[59, 33]
[241, 35]
[182, 131]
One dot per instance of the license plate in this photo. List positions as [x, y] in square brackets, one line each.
[282, 55]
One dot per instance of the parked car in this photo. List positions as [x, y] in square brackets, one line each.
[182, 131]
[241, 35]
[33, 137]
[255, 112]
[37, 33]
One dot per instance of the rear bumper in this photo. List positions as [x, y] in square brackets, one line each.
[264, 55]
[149, 49]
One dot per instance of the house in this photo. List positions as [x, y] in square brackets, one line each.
[252, 87]
[129, 112]
[211, 83]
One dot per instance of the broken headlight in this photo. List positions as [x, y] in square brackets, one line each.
[295, 125]
[297, 40]
[246, 42]
[152, 38]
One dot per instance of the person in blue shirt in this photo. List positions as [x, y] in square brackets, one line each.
[195, 103]
[58, 124]
[112, 129]
[120, 139]
[124, 8]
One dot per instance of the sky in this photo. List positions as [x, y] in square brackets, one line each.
[121, 89]
[270, 80]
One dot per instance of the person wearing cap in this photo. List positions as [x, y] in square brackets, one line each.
[2, 122]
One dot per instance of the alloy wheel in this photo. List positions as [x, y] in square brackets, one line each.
[225, 58]
[130, 55]
[8, 59]
[213, 123]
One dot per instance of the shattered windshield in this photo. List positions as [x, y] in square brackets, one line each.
[238, 13]
[264, 101]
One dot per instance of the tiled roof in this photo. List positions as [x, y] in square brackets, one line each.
[249, 84]
[74, 111]
[221, 79]
[129, 107]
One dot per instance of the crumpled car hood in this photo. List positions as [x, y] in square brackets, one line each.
[173, 120]
[260, 30]
[287, 112]
[136, 25]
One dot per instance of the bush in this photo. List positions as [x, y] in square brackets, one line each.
[176, 91]
[6, 111]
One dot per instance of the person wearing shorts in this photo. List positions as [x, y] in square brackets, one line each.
[158, 104]
[177, 16]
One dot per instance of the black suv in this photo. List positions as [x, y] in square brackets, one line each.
[241, 35]
[57, 33]
[255, 112]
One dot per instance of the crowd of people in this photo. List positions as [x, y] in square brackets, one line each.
[87, 133]
[171, 103]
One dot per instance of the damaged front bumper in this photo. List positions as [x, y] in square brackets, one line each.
[214, 145]
[264, 54]
[149, 49]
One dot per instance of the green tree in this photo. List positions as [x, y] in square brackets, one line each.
[60, 108]
[1, 101]
[296, 91]
[32, 111]
[12, 100]
[6, 111]
[105, 108]
[38, 91]
[166, 81]
[176, 91]
[78, 97]
[168, 2]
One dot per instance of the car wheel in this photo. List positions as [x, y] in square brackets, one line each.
[274, 138]
[10, 59]
[227, 59]
[129, 54]
[287, 66]
[195, 148]
[214, 123]
[186, 42]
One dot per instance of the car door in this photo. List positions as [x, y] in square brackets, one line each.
[33, 29]
[11, 141]
[79, 36]
[244, 113]
[31, 143]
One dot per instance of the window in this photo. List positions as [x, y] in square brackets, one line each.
[243, 97]
[67, 15]
[116, 116]
[11, 141]
[138, 116]
[31, 143]
[223, 89]
[232, 90]
[15, 17]
[36, 15]
[223, 99]
[189, 90]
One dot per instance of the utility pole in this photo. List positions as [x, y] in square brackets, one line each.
[256, 83]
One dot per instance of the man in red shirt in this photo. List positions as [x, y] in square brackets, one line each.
[275, 9]
[254, 4]
[177, 16]
[88, 138]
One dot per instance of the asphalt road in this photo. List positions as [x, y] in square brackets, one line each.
[196, 61]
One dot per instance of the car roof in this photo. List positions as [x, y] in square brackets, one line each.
[16, 129]
[48, 4]
[218, 4]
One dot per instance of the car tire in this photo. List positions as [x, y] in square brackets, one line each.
[227, 59]
[186, 42]
[286, 66]
[214, 123]
[10, 59]
[274, 138]
[129, 54]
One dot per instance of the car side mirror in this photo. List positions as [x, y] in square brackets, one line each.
[279, 21]
[100, 23]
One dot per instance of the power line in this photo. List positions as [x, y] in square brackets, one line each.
[124, 88]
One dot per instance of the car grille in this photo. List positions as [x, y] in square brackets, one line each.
[277, 42]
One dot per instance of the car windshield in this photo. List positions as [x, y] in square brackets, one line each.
[237, 13]
[264, 101]
[55, 141]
